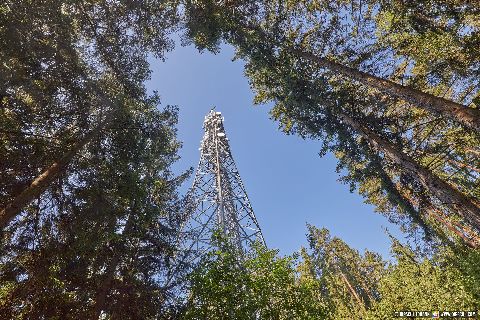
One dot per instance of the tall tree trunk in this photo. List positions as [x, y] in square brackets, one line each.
[106, 283]
[463, 165]
[467, 235]
[407, 205]
[352, 290]
[105, 287]
[460, 113]
[444, 192]
[464, 115]
[43, 181]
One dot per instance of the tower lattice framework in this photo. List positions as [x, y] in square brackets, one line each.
[217, 199]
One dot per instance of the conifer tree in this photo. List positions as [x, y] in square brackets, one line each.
[365, 286]
[336, 36]
[85, 161]
[349, 281]
[60, 62]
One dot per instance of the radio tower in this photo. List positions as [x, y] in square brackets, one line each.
[217, 199]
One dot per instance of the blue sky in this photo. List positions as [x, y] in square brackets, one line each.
[288, 184]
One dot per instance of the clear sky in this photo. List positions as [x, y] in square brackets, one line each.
[288, 184]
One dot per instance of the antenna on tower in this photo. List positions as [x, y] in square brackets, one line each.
[217, 199]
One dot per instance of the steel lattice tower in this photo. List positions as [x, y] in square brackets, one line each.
[217, 199]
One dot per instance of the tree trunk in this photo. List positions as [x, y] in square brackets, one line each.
[444, 192]
[352, 291]
[464, 115]
[106, 284]
[105, 287]
[463, 165]
[467, 235]
[392, 188]
[460, 113]
[472, 240]
[43, 181]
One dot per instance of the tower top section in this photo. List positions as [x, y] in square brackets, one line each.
[213, 116]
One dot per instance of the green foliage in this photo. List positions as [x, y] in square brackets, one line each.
[330, 280]
[445, 281]
[259, 286]
[99, 240]
[60, 61]
[438, 39]
[348, 280]
[439, 283]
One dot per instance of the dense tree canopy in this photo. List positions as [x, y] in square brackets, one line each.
[66, 69]
[330, 280]
[89, 207]
[260, 286]
[89, 210]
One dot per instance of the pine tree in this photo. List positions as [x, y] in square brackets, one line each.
[347, 279]
[60, 62]
[85, 161]
[365, 286]
[100, 241]
[416, 283]
[320, 33]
